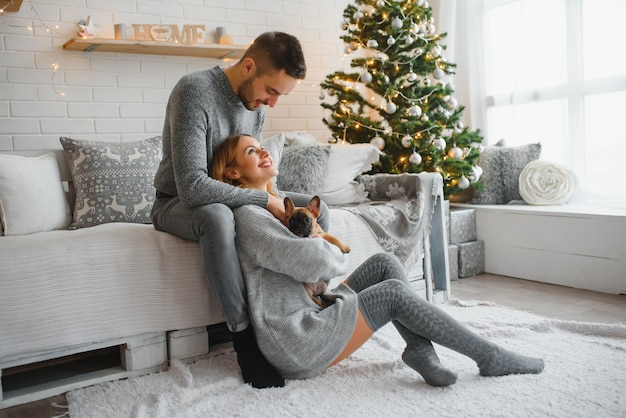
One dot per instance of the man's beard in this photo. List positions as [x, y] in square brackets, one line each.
[245, 94]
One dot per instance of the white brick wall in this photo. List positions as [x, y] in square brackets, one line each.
[122, 97]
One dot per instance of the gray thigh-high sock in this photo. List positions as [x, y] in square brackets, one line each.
[419, 353]
[393, 300]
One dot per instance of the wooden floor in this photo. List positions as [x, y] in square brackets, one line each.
[543, 299]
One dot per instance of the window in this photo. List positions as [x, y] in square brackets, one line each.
[555, 73]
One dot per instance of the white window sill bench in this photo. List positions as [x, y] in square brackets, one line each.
[569, 245]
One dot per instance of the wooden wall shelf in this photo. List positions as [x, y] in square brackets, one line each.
[157, 48]
[13, 6]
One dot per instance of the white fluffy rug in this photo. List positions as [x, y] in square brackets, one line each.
[585, 376]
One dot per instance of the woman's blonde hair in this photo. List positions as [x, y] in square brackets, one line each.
[224, 157]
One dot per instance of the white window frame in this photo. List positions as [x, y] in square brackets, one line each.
[573, 91]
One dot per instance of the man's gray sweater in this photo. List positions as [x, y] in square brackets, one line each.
[298, 337]
[202, 111]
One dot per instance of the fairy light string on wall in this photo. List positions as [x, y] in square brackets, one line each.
[51, 30]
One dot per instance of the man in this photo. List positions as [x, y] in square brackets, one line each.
[204, 108]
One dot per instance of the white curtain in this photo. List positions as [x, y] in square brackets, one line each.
[463, 22]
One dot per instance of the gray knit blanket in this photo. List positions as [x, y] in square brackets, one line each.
[399, 211]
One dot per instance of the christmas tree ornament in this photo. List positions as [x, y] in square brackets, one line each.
[357, 15]
[397, 23]
[366, 77]
[380, 3]
[455, 152]
[463, 183]
[406, 141]
[452, 103]
[436, 51]
[475, 174]
[438, 73]
[391, 40]
[411, 77]
[415, 111]
[415, 158]
[378, 142]
[372, 43]
[409, 40]
[391, 107]
[439, 143]
[322, 96]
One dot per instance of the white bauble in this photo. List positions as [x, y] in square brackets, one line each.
[463, 183]
[438, 73]
[409, 40]
[411, 76]
[415, 158]
[391, 40]
[455, 152]
[391, 107]
[372, 43]
[366, 77]
[415, 111]
[452, 103]
[397, 23]
[406, 141]
[436, 51]
[378, 142]
[439, 143]
[357, 15]
[475, 174]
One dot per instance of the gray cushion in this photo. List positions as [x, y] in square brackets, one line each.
[501, 169]
[303, 168]
[113, 180]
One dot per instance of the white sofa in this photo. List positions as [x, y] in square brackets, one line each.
[137, 297]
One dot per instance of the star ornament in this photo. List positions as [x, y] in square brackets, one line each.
[87, 30]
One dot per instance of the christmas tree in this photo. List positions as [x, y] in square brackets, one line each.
[397, 98]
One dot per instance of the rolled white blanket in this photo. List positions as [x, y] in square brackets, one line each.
[546, 183]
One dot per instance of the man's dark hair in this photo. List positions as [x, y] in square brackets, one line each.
[275, 51]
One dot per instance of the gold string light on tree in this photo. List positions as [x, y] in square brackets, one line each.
[396, 96]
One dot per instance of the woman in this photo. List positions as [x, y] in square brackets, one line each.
[300, 338]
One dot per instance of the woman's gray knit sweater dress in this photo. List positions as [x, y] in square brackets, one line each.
[298, 337]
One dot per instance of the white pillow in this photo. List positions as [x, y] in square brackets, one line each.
[353, 192]
[31, 195]
[297, 138]
[546, 183]
[346, 162]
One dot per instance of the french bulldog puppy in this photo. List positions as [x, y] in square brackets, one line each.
[302, 221]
